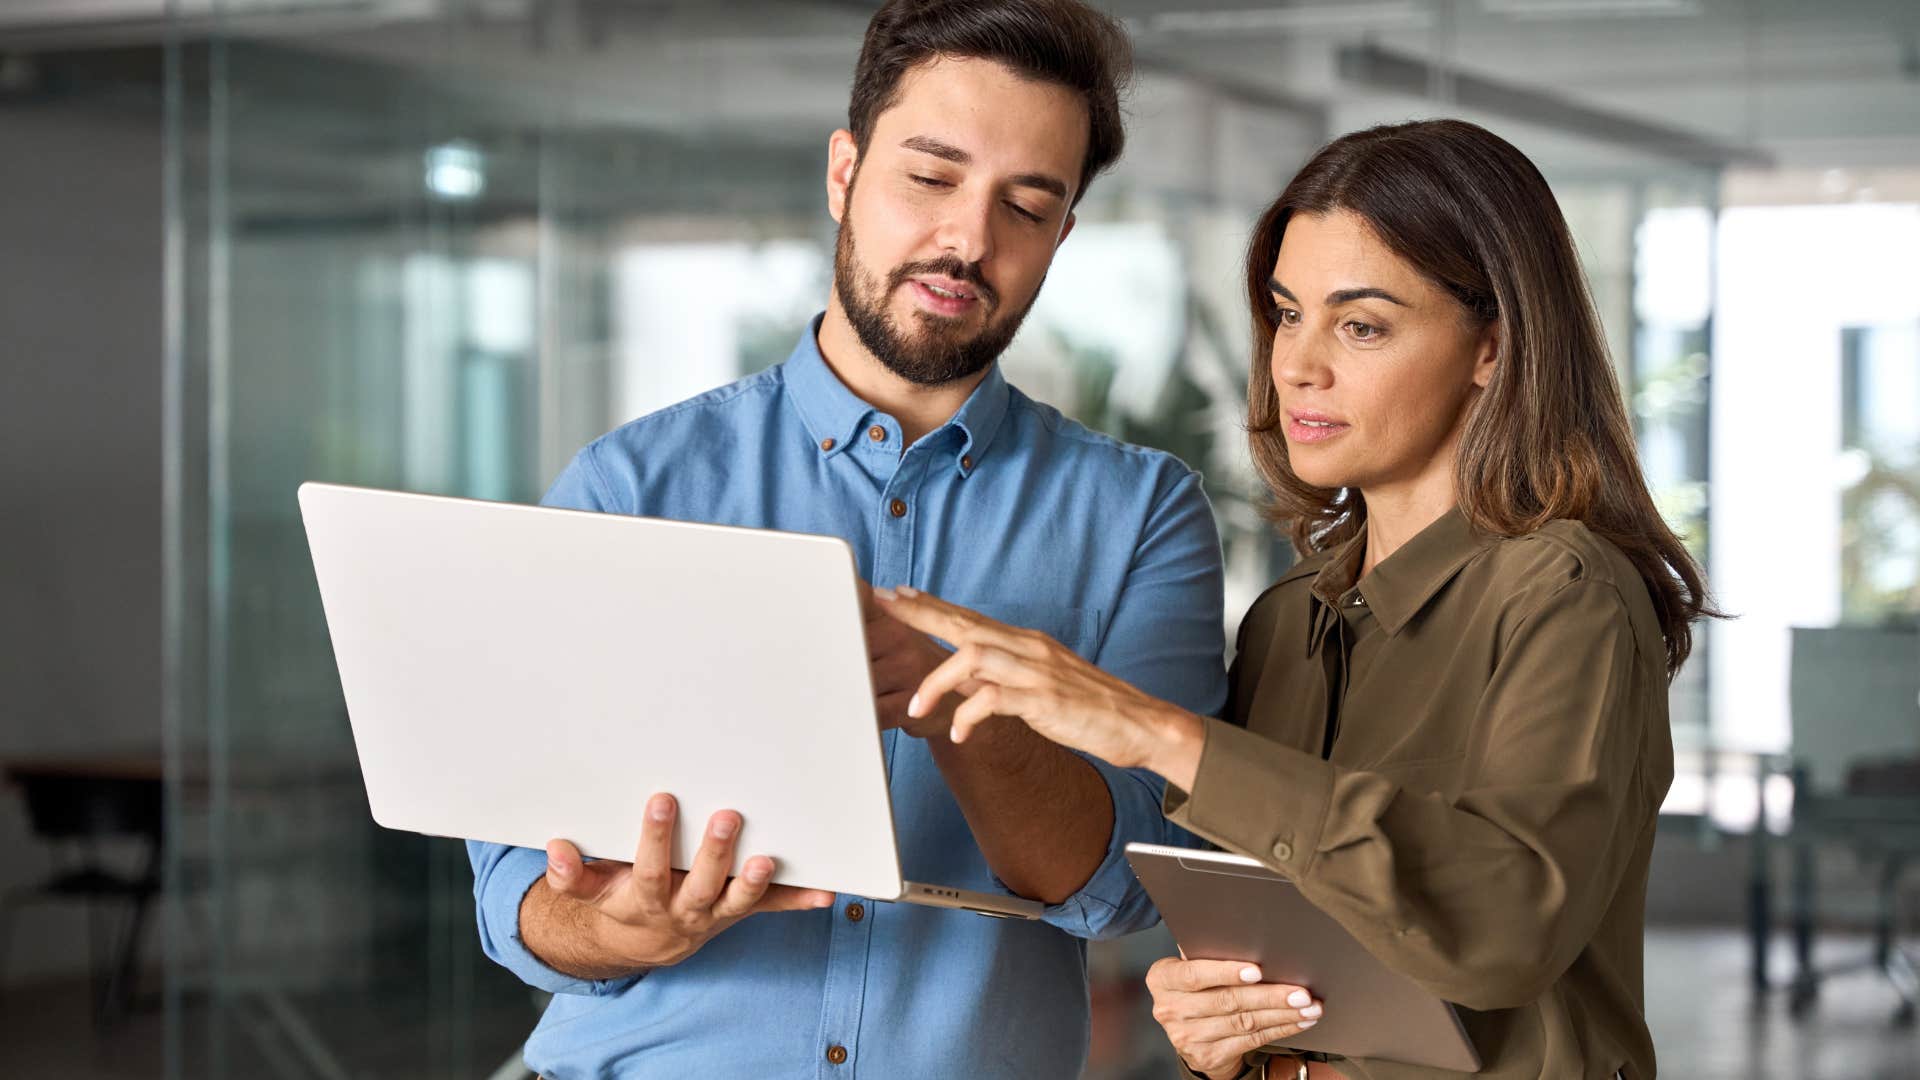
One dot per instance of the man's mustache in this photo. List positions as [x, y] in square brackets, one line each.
[948, 267]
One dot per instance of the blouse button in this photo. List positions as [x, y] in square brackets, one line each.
[1283, 851]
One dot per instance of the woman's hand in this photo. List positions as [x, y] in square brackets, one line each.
[1217, 1011]
[1007, 671]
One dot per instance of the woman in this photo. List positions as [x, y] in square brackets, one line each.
[1448, 722]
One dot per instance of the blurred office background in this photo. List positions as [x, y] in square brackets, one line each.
[440, 244]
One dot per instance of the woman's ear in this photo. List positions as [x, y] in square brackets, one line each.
[1487, 359]
[843, 159]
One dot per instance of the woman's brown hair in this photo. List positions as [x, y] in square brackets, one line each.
[1549, 438]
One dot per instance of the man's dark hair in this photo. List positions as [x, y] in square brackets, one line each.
[1056, 41]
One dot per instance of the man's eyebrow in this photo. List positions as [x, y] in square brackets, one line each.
[945, 151]
[1052, 185]
[927, 144]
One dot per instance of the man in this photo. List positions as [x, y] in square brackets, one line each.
[973, 130]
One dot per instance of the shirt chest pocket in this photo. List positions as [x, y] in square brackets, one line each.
[1076, 628]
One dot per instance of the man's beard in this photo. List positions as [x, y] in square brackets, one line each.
[937, 350]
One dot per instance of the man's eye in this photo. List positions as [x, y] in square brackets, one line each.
[1025, 213]
[929, 181]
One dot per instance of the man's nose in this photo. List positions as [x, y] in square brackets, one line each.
[966, 228]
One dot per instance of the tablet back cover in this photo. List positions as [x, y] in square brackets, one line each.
[1226, 907]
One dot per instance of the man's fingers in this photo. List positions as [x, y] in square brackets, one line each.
[746, 890]
[707, 877]
[567, 870]
[1174, 973]
[791, 898]
[653, 860]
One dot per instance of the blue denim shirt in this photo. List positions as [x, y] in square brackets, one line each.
[1010, 508]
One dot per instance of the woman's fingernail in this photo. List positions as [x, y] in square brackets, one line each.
[1310, 1011]
[884, 594]
[1299, 998]
[723, 828]
[660, 808]
[757, 873]
[1249, 974]
[1305, 1024]
[913, 707]
[953, 733]
[909, 591]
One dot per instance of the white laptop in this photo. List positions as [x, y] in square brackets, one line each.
[516, 674]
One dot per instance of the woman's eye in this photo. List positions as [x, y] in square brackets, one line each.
[1286, 316]
[1362, 331]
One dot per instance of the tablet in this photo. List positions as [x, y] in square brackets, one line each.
[1228, 907]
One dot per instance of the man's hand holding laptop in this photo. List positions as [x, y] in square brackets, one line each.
[631, 917]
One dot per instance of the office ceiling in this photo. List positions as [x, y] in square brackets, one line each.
[1597, 84]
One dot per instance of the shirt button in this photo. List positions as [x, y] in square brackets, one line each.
[837, 1054]
[966, 462]
[856, 912]
[1283, 851]
[1359, 601]
[877, 433]
[826, 444]
[897, 508]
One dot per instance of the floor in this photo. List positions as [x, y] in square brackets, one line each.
[1705, 1022]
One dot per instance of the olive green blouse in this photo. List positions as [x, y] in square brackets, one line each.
[1461, 758]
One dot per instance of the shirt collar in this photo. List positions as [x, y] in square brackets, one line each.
[832, 413]
[1401, 586]
[835, 416]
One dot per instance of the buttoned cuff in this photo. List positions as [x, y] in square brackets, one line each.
[1112, 903]
[502, 877]
[1253, 796]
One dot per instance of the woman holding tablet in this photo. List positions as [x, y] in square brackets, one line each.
[1448, 722]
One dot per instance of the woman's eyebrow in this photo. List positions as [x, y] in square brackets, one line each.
[1346, 295]
[1341, 296]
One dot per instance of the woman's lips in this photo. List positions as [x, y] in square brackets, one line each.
[1313, 427]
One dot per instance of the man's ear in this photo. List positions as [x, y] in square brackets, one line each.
[843, 158]
[1487, 360]
[1066, 228]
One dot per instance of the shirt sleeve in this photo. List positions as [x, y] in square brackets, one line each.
[1166, 638]
[1486, 899]
[502, 874]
